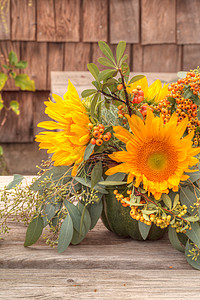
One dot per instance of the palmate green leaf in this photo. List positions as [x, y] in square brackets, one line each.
[34, 231]
[88, 151]
[194, 234]
[1, 150]
[74, 214]
[96, 174]
[105, 74]
[88, 92]
[14, 105]
[174, 240]
[95, 211]
[120, 51]
[66, 234]
[21, 64]
[144, 229]
[194, 263]
[136, 78]
[93, 70]
[12, 57]
[3, 79]
[106, 51]
[106, 62]
[16, 180]
[24, 82]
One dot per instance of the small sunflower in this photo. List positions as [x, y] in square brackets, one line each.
[154, 91]
[69, 143]
[156, 154]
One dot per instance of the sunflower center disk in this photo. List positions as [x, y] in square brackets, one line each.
[158, 160]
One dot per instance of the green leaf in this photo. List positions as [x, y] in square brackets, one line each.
[105, 74]
[49, 212]
[106, 51]
[74, 214]
[16, 180]
[112, 183]
[93, 70]
[93, 105]
[192, 218]
[181, 74]
[85, 219]
[12, 58]
[116, 177]
[144, 229]
[193, 176]
[194, 234]
[176, 200]
[24, 82]
[59, 175]
[88, 92]
[34, 231]
[21, 64]
[136, 78]
[1, 150]
[13, 74]
[95, 211]
[96, 174]
[174, 240]
[3, 79]
[167, 200]
[188, 198]
[5, 67]
[66, 234]
[87, 182]
[105, 62]
[188, 250]
[120, 51]
[188, 93]
[88, 151]
[124, 58]
[14, 105]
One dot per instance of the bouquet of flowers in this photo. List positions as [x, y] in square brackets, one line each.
[127, 153]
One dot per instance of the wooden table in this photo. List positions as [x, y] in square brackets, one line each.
[103, 266]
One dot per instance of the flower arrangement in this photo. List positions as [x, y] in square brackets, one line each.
[127, 153]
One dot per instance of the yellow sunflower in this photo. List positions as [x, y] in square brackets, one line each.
[154, 90]
[69, 143]
[156, 155]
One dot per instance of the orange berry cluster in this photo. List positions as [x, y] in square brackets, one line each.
[183, 107]
[98, 134]
[138, 95]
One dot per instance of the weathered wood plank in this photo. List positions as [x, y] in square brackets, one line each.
[191, 57]
[67, 19]
[38, 110]
[23, 20]
[5, 48]
[137, 58]
[55, 59]
[95, 17]
[99, 284]
[4, 19]
[162, 58]
[188, 22]
[36, 56]
[82, 80]
[46, 27]
[124, 21]
[18, 128]
[158, 23]
[77, 56]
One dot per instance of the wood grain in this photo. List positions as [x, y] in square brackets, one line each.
[95, 17]
[158, 21]
[46, 27]
[39, 110]
[162, 58]
[137, 58]
[188, 22]
[55, 59]
[5, 48]
[36, 56]
[77, 56]
[18, 128]
[23, 20]
[4, 19]
[191, 57]
[124, 21]
[99, 284]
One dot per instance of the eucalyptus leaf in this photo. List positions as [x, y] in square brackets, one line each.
[167, 200]
[88, 151]
[190, 258]
[87, 182]
[85, 219]
[49, 212]
[96, 174]
[194, 176]
[188, 198]
[34, 231]
[16, 180]
[95, 211]
[74, 214]
[112, 183]
[144, 229]
[174, 240]
[194, 234]
[116, 177]
[176, 201]
[66, 233]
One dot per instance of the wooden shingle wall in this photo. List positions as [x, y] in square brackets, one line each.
[62, 35]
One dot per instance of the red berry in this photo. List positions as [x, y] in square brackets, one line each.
[140, 93]
[96, 134]
[109, 134]
[93, 141]
[140, 99]
[101, 126]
